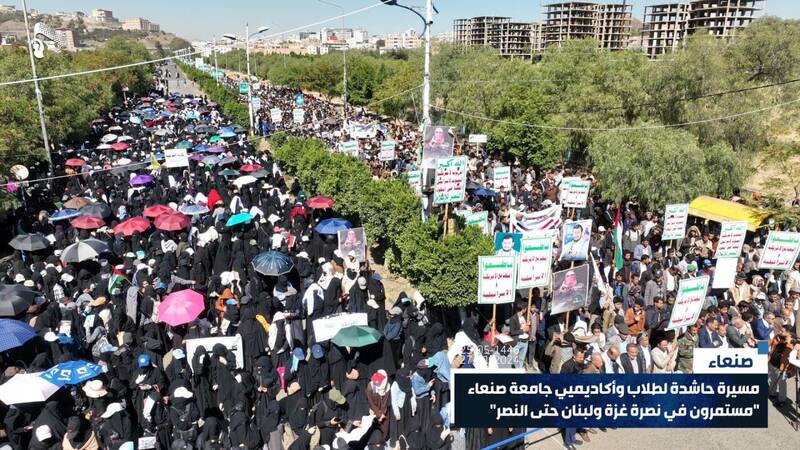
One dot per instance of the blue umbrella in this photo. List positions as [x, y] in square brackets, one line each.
[193, 210]
[210, 160]
[332, 226]
[272, 263]
[14, 333]
[201, 147]
[135, 120]
[72, 372]
[483, 192]
[238, 219]
[227, 134]
[64, 214]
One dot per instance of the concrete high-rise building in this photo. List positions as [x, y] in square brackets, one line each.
[139, 24]
[667, 25]
[610, 24]
[103, 15]
[511, 39]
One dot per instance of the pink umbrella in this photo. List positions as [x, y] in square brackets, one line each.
[250, 167]
[120, 146]
[132, 225]
[181, 307]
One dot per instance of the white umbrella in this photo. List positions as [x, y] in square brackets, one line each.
[115, 128]
[26, 388]
[243, 180]
[110, 137]
[124, 138]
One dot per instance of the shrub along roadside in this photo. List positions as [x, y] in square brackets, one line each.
[445, 271]
[227, 99]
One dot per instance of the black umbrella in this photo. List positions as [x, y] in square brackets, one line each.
[260, 173]
[15, 299]
[98, 209]
[29, 242]
[84, 250]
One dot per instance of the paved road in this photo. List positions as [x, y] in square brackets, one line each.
[182, 84]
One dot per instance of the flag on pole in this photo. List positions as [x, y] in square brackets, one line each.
[154, 164]
[117, 278]
[618, 240]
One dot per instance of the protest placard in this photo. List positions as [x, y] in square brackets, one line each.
[502, 178]
[415, 180]
[451, 180]
[575, 240]
[276, 114]
[478, 138]
[437, 144]
[349, 147]
[688, 302]
[675, 217]
[176, 157]
[576, 194]
[535, 259]
[299, 116]
[496, 279]
[244, 87]
[387, 152]
[479, 219]
[327, 327]
[232, 343]
[724, 273]
[353, 240]
[780, 251]
[299, 100]
[570, 289]
[731, 239]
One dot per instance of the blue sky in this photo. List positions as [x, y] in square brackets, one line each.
[200, 19]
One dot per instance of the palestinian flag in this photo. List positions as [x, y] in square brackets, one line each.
[618, 240]
[117, 278]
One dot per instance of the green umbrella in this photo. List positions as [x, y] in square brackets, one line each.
[356, 336]
[229, 173]
[184, 144]
[214, 139]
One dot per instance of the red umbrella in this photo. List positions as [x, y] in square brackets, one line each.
[75, 162]
[250, 167]
[320, 202]
[132, 225]
[213, 198]
[156, 210]
[87, 222]
[120, 146]
[172, 221]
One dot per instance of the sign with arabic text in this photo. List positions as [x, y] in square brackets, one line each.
[535, 259]
[577, 194]
[415, 180]
[780, 251]
[731, 239]
[675, 217]
[277, 115]
[299, 116]
[502, 178]
[349, 147]
[496, 277]
[479, 219]
[387, 151]
[689, 302]
[451, 180]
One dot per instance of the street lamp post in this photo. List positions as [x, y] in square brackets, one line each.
[247, 57]
[36, 88]
[216, 68]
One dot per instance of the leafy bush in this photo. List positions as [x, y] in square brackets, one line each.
[444, 271]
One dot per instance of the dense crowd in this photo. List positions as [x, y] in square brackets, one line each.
[114, 245]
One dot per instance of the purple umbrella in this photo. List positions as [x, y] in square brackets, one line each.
[215, 150]
[197, 157]
[140, 180]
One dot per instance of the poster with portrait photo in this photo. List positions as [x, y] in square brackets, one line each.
[437, 143]
[507, 244]
[570, 289]
[575, 240]
[353, 240]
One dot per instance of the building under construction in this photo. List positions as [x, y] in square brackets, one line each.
[667, 25]
[610, 24]
[511, 39]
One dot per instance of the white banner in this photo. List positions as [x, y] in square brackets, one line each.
[689, 302]
[479, 219]
[478, 138]
[415, 180]
[496, 277]
[535, 259]
[232, 343]
[780, 251]
[349, 147]
[502, 178]
[176, 157]
[276, 114]
[724, 273]
[299, 116]
[387, 152]
[731, 239]
[327, 327]
[675, 217]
